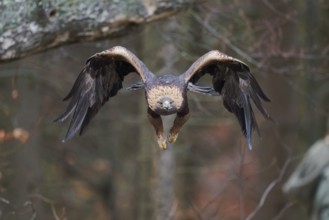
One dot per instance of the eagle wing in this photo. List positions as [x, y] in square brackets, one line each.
[232, 79]
[100, 79]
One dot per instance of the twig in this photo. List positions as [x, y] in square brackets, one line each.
[268, 190]
[48, 201]
[197, 212]
[227, 41]
[280, 214]
[272, 8]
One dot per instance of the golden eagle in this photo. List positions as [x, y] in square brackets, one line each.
[104, 72]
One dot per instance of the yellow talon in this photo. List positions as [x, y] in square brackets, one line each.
[162, 143]
[172, 138]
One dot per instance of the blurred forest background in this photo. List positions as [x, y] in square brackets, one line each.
[116, 170]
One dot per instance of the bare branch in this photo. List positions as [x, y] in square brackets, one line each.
[268, 190]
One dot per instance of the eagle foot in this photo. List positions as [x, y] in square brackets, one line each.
[162, 142]
[172, 137]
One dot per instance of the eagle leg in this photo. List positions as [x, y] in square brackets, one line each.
[156, 121]
[180, 120]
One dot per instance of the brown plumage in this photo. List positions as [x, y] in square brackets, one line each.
[104, 72]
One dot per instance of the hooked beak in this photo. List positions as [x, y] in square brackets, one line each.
[166, 104]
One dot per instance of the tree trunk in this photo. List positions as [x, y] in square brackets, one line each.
[37, 25]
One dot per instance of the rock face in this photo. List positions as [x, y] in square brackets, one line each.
[31, 26]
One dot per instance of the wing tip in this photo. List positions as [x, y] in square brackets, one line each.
[248, 135]
[67, 97]
[59, 119]
[63, 116]
[249, 145]
[266, 99]
[69, 135]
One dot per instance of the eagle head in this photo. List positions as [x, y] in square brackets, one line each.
[166, 105]
[165, 100]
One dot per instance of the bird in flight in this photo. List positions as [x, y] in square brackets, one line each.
[102, 77]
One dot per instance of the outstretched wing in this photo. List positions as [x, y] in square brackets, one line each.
[232, 79]
[100, 79]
